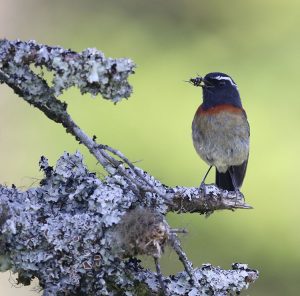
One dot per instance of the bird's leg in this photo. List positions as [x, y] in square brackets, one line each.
[203, 180]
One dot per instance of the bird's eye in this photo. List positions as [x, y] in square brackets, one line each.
[222, 83]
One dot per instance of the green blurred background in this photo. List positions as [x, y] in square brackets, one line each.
[256, 42]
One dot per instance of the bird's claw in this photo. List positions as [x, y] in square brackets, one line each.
[202, 189]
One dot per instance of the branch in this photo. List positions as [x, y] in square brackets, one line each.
[74, 232]
[89, 70]
[205, 200]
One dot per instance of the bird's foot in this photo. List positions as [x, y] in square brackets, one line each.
[237, 194]
[202, 189]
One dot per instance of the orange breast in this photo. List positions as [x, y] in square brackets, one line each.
[219, 108]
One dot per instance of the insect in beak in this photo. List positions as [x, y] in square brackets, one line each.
[199, 81]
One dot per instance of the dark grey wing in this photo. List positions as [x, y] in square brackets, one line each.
[233, 178]
[238, 173]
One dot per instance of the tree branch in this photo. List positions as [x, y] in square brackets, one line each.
[74, 232]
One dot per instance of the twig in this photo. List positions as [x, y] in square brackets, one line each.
[173, 239]
[193, 200]
[160, 277]
[136, 170]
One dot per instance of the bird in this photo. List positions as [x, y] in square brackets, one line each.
[220, 130]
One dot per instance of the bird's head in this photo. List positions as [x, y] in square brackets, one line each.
[218, 88]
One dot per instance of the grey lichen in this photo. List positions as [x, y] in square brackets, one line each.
[205, 200]
[57, 232]
[89, 70]
[64, 233]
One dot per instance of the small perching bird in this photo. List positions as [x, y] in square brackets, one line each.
[221, 131]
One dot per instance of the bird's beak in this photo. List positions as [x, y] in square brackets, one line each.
[206, 83]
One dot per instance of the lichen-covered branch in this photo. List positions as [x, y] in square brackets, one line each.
[75, 232]
[89, 70]
[205, 199]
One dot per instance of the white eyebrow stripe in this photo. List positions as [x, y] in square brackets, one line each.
[225, 78]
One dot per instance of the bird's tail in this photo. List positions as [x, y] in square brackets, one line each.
[233, 178]
[224, 181]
